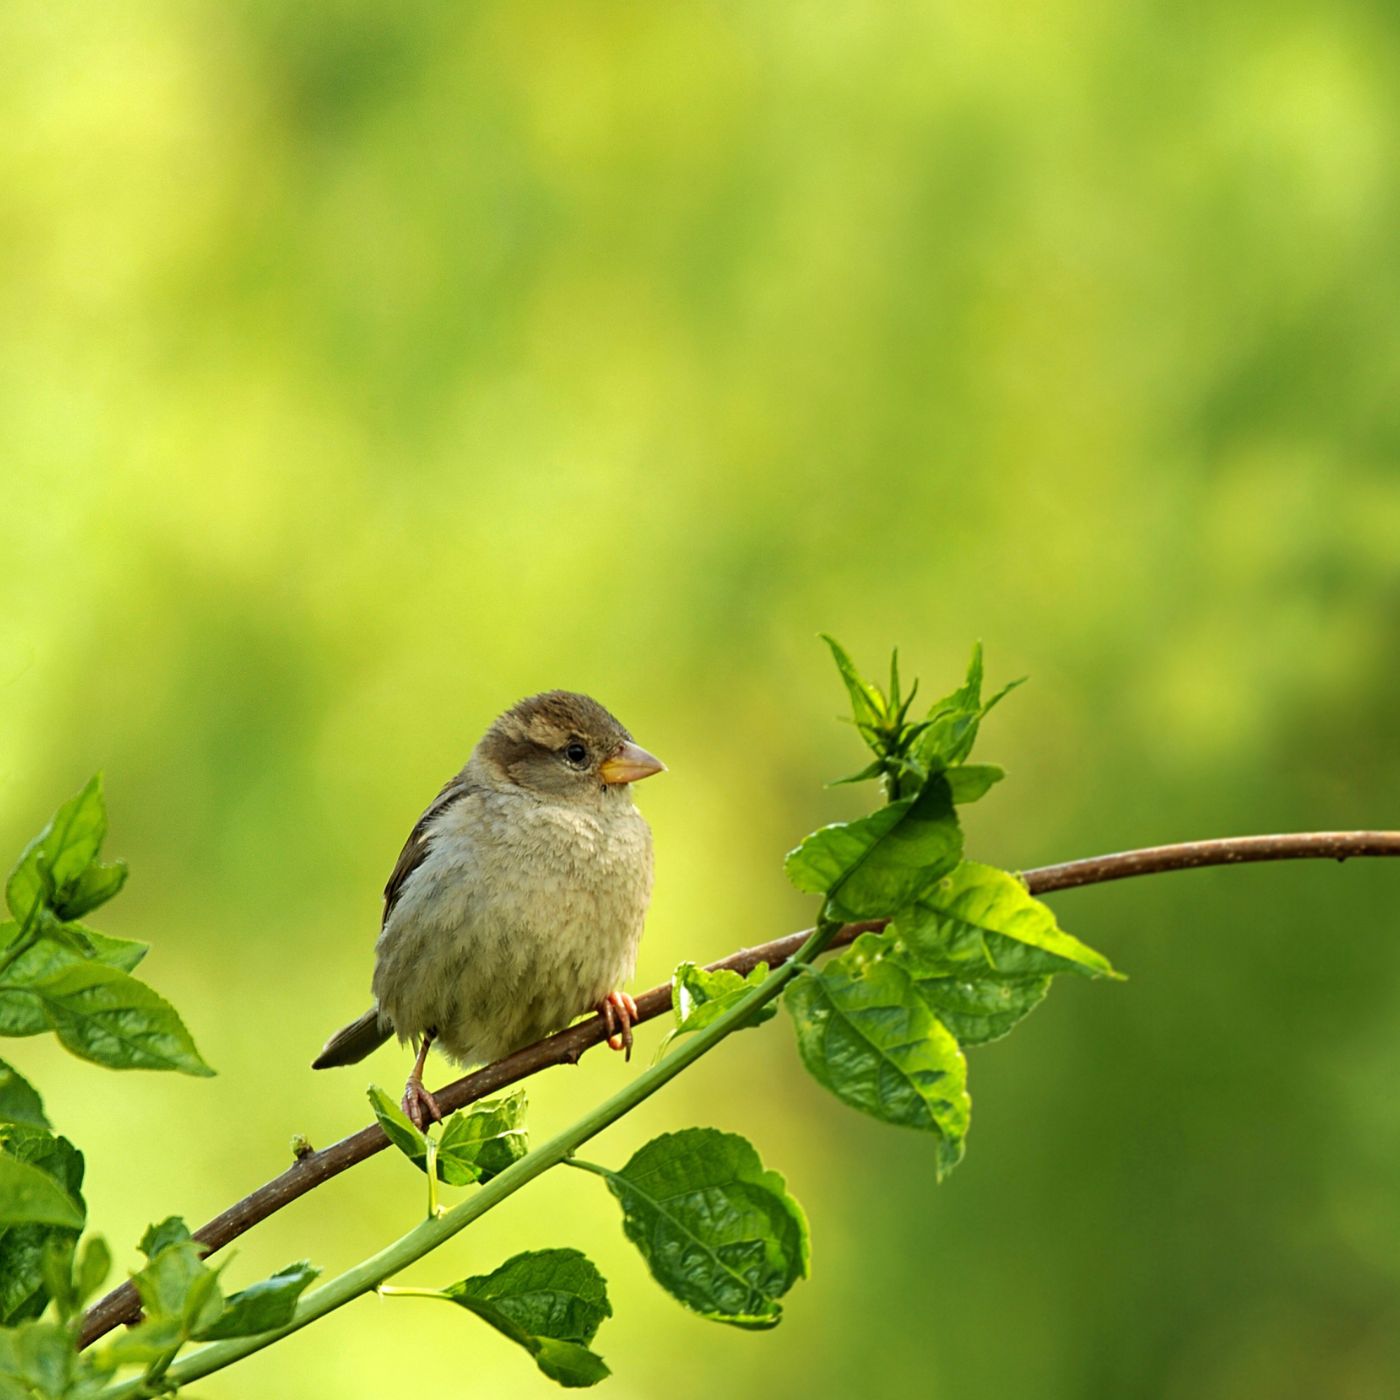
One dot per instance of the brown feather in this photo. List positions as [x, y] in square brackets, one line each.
[415, 849]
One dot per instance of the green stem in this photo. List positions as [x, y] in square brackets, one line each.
[427, 1236]
[588, 1167]
[430, 1166]
[25, 939]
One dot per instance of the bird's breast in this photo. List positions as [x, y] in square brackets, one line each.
[522, 915]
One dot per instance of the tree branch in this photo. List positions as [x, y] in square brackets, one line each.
[565, 1047]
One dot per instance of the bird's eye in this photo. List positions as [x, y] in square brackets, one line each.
[576, 754]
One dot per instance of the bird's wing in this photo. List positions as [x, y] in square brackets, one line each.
[415, 849]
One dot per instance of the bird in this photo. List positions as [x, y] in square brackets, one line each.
[518, 900]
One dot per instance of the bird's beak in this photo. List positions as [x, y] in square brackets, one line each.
[629, 764]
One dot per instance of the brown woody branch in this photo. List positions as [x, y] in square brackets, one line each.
[565, 1047]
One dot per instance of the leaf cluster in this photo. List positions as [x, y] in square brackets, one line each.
[718, 1231]
[471, 1145]
[967, 951]
[58, 975]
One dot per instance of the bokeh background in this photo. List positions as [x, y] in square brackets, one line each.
[366, 367]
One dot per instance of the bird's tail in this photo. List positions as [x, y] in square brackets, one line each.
[355, 1041]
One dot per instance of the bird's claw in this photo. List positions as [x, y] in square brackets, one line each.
[619, 1012]
[421, 1107]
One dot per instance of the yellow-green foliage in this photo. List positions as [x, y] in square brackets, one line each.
[366, 367]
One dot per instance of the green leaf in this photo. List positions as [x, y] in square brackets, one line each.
[169, 1279]
[71, 936]
[866, 1034]
[19, 1101]
[38, 1359]
[29, 1196]
[46, 957]
[179, 1295]
[105, 1015]
[398, 1127]
[54, 861]
[263, 1306]
[720, 1234]
[96, 885]
[867, 704]
[982, 1008]
[875, 769]
[149, 1341]
[176, 1283]
[93, 1267]
[22, 1011]
[69, 1287]
[970, 781]
[981, 915]
[483, 1140]
[22, 1247]
[57, 1268]
[699, 996]
[121, 953]
[876, 865]
[549, 1301]
[954, 720]
[475, 1143]
[171, 1230]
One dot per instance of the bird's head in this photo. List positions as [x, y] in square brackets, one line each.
[563, 745]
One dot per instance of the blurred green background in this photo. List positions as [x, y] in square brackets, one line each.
[365, 368]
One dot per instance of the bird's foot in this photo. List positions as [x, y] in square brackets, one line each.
[421, 1107]
[618, 1011]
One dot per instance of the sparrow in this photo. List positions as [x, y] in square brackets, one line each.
[518, 899]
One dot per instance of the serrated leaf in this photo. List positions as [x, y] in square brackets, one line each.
[121, 953]
[22, 1011]
[867, 704]
[979, 914]
[865, 1033]
[981, 1009]
[71, 936]
[75, 945]
[263, 1306]
[29, 1196]
[22, 1292]
[482, 1141]
[56, 858]
[549, 1301]
[475, 1143]
[970, 781]
[19, 1101]
[171, 1230]
[171, 1277]
[876, 865]
[699, 996]
[719, 1232]
[179, 1293]
[954, 720]
[105, 1015]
